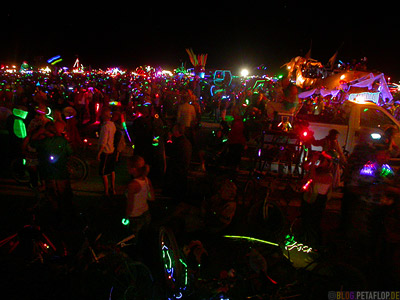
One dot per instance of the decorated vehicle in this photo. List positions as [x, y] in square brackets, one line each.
[356, 116]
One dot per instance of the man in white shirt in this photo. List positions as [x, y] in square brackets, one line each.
[186, 117]
[186, 114]
[106, 151]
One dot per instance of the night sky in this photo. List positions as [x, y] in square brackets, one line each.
[235, 35]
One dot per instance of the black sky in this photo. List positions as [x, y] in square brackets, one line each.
[234, 35]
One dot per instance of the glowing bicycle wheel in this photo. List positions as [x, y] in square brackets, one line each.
[77, 168]
[174, 266]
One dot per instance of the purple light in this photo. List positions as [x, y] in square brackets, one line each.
[368, 170]
[51, 157]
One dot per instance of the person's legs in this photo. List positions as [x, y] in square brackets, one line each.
[105, 184]
[113, 183]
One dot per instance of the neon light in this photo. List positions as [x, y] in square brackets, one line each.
[19, 128]
[298, 247]
[40, 111]
[362, 98]
[125, 222]
[386, 170]
[126, 129]
[291, 244]
[305, 187]
[368, 169]
[186, 270]
[155, 141]
[20, 113]
[54, 59]
[251, 239]
[258, 83]
[48, 115]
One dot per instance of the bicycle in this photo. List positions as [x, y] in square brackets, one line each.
[175, 268]
[78, 169]
[269, 200]
[106, 270]
[310, 274]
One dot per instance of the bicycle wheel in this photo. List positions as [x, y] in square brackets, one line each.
[133, 280]
[249, 193]
[19, 171]
[77, 168]
[175, 268]
[273, 217]
[116, 277]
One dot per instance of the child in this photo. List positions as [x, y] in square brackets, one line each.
[140, 190]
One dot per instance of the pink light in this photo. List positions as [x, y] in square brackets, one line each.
[305, 187]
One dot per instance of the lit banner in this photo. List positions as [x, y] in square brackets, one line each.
[365, 97]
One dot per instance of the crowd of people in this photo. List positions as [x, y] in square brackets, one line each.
[46, 117]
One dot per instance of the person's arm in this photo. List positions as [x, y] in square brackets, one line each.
[339, 150]
[102, 141]
[178, 115]
[151, 194]
[133, 188]
[317, 143]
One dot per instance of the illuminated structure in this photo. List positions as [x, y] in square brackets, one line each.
[198, 62]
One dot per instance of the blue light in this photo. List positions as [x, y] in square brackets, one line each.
[368, 170]
[54, 58]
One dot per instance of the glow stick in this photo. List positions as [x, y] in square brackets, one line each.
[54, 58]
[251, 239]
[125, 128]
